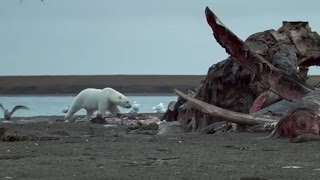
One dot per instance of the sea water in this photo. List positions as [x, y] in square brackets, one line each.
[46, 105]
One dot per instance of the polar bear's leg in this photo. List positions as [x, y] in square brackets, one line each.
[71, 112]
[114, 109]
[102, 108]
[89, 113]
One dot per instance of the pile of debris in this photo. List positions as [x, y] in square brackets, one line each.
[262, 82]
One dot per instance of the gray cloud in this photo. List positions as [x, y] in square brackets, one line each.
[130, 37]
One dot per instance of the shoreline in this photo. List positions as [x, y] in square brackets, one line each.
[129, 84]
[40, 118]
[74, 94]
[135, 84]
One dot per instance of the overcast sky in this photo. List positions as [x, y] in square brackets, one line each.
[72, 37]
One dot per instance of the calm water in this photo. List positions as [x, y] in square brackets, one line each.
[53, 105]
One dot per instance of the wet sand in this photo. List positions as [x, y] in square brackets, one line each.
[91, 151]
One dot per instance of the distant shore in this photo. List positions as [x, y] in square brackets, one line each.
[135, 84]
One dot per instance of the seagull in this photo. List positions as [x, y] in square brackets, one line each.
[7, 114]
[135, 108]
[66, 109]
[159, 108]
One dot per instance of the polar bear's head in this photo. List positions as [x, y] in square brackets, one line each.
[119, 99]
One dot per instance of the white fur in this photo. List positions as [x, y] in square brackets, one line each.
[102, 100]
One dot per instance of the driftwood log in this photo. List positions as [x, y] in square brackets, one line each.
[230, 116]
[294, 118]
[268, 67]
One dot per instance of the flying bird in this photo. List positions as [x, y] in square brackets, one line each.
[134, 108]
[7, 114]
[159, 108]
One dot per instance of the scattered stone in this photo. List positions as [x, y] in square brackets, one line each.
[170, 128]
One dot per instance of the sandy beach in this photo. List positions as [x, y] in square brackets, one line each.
[83, 150]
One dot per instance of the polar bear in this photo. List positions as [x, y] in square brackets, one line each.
[100, 100]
